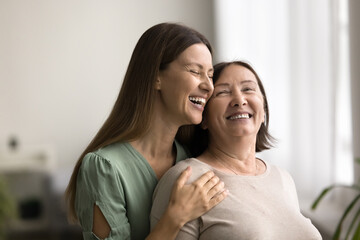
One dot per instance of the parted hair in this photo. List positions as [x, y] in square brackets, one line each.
[133, 109]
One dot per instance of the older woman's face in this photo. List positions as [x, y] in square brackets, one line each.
[237, 106]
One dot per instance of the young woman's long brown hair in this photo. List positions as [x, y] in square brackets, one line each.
[131, 115]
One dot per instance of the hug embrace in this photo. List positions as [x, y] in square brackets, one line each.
[174, 105]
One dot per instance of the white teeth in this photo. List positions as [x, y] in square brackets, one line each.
[198, 100]
[240, 116]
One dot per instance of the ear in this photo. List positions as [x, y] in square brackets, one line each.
[158, 83]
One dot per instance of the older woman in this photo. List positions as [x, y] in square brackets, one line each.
[262, 201]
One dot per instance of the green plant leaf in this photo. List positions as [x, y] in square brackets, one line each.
[328, 189]
[7, 204]
[347, 210]
[357, 232]
[321, 196]
[353, 223]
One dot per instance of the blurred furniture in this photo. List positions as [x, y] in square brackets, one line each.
[41, 215]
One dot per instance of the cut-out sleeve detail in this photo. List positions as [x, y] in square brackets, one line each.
[99, 183]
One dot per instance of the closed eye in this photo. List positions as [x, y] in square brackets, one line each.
[246, 89]
[194, 72]
[221, 93]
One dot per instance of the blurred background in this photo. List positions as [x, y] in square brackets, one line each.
[62, 65]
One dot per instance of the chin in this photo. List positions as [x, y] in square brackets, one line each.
[194, 121]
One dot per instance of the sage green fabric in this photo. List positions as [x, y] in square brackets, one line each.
[119, 180]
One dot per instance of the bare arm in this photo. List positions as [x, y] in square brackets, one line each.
[187, 202]
[101, 227]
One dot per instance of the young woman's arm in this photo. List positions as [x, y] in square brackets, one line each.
[101, 227]
[187, 202]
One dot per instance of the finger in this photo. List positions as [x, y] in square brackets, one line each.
[184, 176]
[218, 198]
[201, 181]
[211, 183]
[217, 189]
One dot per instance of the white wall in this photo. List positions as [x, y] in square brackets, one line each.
[289, 44]
[354, 26]
[257, 32]
[62, 64]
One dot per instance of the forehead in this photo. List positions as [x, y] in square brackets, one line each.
[236, 73]
[196, 53]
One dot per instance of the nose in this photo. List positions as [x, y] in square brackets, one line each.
[238, 99]
[207, 85]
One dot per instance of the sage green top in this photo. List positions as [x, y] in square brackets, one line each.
[119, 180]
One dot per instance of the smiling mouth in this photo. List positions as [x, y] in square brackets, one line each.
[198, 100]
[239, 116]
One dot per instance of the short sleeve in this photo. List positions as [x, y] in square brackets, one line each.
[99, 183]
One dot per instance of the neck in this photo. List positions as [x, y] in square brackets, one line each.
[236, 157]
[157, 143]
[240, 148]
[158, 152]
[156, 146]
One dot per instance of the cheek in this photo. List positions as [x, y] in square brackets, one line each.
[262, 114]
[213, 112]
[260, 106]
[215, 107]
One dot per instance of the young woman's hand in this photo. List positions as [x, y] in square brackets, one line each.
[190, 201]
[187, 202]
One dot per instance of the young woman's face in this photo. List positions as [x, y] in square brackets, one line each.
[237, 105]
[186, 85]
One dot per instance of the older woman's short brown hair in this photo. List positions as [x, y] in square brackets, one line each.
[264, 140]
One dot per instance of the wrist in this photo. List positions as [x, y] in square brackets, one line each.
[174, 218]
[168, 226]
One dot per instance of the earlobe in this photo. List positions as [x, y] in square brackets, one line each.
[158, 83]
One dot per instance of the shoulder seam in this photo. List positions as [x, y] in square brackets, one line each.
[102, 157]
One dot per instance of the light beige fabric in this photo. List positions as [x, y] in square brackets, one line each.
[257, 207]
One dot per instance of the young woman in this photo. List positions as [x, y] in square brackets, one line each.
[262, 201]
[166, 86]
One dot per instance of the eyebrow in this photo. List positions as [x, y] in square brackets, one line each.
[227, 84]
[248, 81]
[222, 84]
